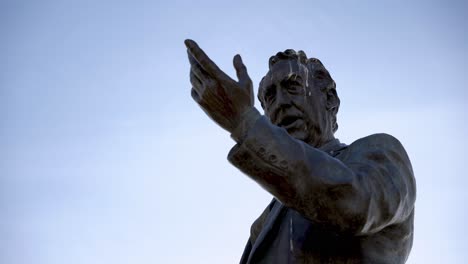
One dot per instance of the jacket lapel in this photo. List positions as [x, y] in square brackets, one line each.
[268, 227]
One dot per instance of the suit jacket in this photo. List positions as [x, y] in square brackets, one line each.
[337, 204]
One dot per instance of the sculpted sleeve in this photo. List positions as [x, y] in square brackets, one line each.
[364, 189]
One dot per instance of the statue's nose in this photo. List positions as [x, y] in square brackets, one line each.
[281, 104]
[283, 98]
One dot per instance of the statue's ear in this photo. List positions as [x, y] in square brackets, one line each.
[333, 102]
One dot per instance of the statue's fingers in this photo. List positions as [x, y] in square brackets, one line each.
[199, 99]
[196, 83]
[205, 62]
[196, 68]
[199, 73]
[195, 95]
[203, 87]
[191, 58]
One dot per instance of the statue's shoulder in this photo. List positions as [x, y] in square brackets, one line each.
[378, 143]
[378, 140]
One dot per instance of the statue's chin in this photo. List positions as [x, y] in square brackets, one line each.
[305, 137]
[298, 134]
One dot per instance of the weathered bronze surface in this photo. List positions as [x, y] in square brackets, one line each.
[333, 203]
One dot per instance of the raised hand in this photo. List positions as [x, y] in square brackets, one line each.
[223, 99]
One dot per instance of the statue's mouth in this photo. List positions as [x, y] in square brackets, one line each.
[289, 121]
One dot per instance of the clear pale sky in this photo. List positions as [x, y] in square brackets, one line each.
[105, 158]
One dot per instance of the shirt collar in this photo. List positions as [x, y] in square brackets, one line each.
[333, 146]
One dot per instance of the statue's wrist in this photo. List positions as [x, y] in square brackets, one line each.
[246, 121]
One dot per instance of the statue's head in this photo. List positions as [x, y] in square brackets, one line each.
[299, 95]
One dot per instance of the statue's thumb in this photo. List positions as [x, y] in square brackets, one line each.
[241, 71]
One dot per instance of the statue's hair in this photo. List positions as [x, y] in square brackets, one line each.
[316, 70]
[288, 54]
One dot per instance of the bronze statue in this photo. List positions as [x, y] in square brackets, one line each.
[333, 203]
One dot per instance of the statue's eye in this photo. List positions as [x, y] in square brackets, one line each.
[294, 87]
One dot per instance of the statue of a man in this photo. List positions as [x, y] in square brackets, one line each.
[333, 203]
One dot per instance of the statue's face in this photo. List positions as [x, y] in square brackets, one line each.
[294, 101]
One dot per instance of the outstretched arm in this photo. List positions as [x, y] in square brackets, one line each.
[366, 188]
